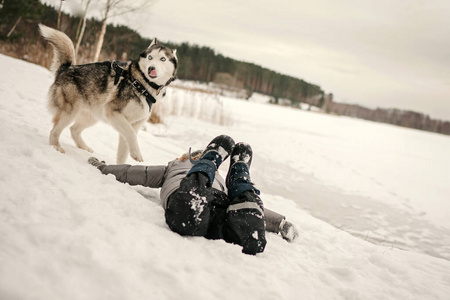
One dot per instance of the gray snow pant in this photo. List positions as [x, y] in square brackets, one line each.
[198, 210]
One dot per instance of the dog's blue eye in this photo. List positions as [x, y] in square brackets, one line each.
[163, 59]
[150, 57]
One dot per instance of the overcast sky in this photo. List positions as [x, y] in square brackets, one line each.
[383, 53]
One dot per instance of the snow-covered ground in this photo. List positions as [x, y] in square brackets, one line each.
[370, 202]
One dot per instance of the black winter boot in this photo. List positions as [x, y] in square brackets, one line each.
[245, 224]
[215, 153]
[238, 177]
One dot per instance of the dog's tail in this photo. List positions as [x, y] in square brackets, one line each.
[63, 50]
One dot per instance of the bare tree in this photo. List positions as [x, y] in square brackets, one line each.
[24, 9]
[58, 23]
[115, 8]
[14, 27]
[81, 27]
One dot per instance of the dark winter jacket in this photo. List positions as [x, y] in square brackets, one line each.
[168, 178]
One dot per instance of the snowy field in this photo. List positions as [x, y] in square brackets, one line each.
[371, 203]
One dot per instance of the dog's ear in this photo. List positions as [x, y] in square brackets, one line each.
[144, 53]
[154, 42]
[175, 53]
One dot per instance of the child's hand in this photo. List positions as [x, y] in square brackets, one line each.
[288, 231]
[95, 162]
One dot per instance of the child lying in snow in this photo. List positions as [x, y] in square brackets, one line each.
[198, 202]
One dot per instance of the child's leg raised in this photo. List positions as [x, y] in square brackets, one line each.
[245, 223]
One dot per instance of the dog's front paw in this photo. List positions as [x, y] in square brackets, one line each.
[137, 157]
[88, 149]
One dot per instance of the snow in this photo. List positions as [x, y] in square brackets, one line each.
[244, 159]
[370, 202]
[259, 98]
[222, 151]
[197, 205]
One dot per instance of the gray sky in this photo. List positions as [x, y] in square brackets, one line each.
[383, 53]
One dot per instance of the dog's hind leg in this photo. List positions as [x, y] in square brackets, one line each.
[84, 120]
[60, 121]
[121, 124]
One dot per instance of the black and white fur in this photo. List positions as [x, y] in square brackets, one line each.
[84, 94]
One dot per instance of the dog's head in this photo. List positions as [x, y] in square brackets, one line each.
[158, 63]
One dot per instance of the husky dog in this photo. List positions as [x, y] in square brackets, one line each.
[119, 93]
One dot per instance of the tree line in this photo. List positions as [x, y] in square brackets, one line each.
[404, 118]
[19, 37]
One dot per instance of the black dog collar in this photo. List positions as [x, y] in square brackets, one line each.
[120, 72]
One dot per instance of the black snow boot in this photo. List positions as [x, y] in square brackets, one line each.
[238, 177]
[245, 224]
[215, 153]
